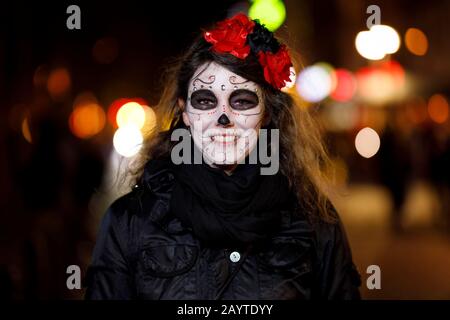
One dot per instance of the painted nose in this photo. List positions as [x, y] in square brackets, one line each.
[223, 120]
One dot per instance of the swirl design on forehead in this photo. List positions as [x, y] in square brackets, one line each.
[234, 80]
[210, 79]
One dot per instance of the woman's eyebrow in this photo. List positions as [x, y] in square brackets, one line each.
[243, 91]
[203, 92]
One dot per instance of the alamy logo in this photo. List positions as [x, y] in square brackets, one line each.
[74, 20]
[182, 151]
[375, 17]
[74, 280]
[374, 280]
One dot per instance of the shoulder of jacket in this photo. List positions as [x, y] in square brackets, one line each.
[147, 202]
[119, 209]
[331, 232]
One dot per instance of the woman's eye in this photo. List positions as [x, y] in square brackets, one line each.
[243, 99]
[203, 100]
[243, 103]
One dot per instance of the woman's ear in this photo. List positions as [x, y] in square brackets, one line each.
[182, 105]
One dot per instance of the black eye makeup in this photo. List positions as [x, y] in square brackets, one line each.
[203, 100]
[243, 99]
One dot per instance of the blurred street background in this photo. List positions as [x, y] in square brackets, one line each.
[74, 104]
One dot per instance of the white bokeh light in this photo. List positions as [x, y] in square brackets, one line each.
[387, 37]
[128, 140]
[314, 83]
[367, 142]
[377, 42]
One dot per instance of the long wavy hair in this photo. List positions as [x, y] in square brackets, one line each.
[303, 157]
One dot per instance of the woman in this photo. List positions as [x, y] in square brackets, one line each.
[224, 228]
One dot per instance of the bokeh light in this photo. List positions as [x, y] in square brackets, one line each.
[150, 121]
[314, 83]
[368, 47]
[377, 42]
[88, 117]
[345, 85]
[438, 108]
[131, 113]
[381, 83]
[58, 83]
[416, 110]
[117, 104]
[271, 13]
[367, 142]
[128, 140]
[416, 41]
[341, 116]
[87, 120]
[388, 37]
[26, 130]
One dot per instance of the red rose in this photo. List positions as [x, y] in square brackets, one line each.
[276, 66]
[230, 36]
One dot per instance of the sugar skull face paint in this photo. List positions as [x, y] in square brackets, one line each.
[224, 112]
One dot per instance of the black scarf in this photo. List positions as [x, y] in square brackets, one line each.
[228, 209]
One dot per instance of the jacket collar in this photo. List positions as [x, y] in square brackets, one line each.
[158, 180]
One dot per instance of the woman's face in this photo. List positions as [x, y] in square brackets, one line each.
[224, 112]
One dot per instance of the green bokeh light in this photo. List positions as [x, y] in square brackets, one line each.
[271, 13]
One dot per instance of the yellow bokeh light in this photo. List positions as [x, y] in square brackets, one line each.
[150, 121]
[416, 41]
[367, 142]
[131, 113]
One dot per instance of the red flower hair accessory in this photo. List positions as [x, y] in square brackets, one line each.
[277, 66]
[230, 36]
[239, 36]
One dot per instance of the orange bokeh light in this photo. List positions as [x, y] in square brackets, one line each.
[416, 41]
[438, 108]
[87, 120]
[58, 83]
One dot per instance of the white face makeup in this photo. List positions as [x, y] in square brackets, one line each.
[224, 112]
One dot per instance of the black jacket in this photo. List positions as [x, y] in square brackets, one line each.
[143, 252]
